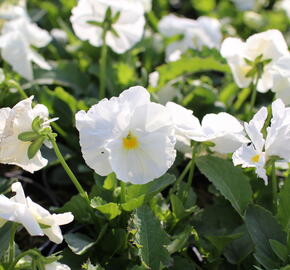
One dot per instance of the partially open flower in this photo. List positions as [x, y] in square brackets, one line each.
[261, 149]
[268, 47]
[124, 29]
[13, 122]
[128, 135]
[222, 129]
[17, 37]
[194, 34]
[35, 219]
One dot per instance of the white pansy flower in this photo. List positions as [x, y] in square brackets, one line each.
[270, 44]
[261, 149]
[204, 31]
[128, 135]
[14, 122]
[128, 28]
[17, 37]
[224, 130]
[35, 219]
[56, 266]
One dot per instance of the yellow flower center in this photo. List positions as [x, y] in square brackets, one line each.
[255, 158]
[130, 142]
[246, 69]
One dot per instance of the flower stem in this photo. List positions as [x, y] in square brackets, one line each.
[68, 170]
[254, 95]
[12, 83]
[274, 185]
[103, 67]
[192, 167]
[23, 254]
[11, 243]
[123, 191]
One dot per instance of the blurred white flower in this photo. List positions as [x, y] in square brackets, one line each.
[35, 219]
[281, 79]
[59, 35]
[260, 150]
[17, 37]
[14, 122]
[11, 11]
[129, 26]
[128, 135]
[195, 34]
[244, 4]
[270, 44]
[284, 5]
[56, 266]
[224, 130]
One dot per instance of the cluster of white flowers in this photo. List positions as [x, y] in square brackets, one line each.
[195, 34]
[270, 46]
[135, 138]
[18, 34]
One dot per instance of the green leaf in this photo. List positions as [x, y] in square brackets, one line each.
[110, 210]
[89, 266]
[28, 136]
[221, 241]
[184, 66]
[283, 213]
[5, 231]
[280, 250]
[239, 248]
[137, 195]
[151, 239]
[228, 179]
[263, 227]
[34, 147]
[78, 243]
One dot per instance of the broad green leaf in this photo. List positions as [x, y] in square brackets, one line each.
[78, 243]
[239, 248]
[283, 214]
[221, 241]
[110, 210]
[263, 227]
[280, 250]
[181, 263]
[5, 231]
[228, 179]
[110, 182]
[151, 239]
[34, 147]
[185, 66]
[136, 195]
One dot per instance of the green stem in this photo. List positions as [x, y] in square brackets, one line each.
[69, 171]
[181, 177]
[274, 185]
[253, 96]
[123, 191]
[11, 243]
[192, 167]
[20, 256]
[103, 67]
[12, 83]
